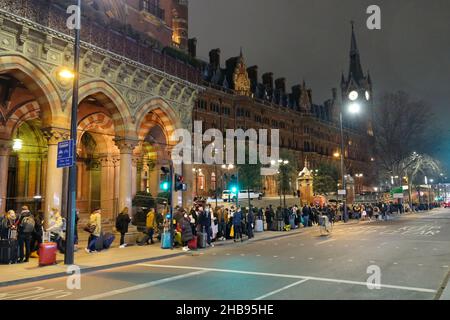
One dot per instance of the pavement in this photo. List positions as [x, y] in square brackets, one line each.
[405, 258]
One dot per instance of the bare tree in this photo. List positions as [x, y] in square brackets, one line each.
[400, 127]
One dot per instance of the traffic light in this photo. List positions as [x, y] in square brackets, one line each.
[179, 183]
[165, 183]
[234, 190]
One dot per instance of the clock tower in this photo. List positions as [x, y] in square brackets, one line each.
[356, 88]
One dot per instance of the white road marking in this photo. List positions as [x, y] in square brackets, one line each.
[228, 254]
[330, 259]
[292, 257]
[281, 289]
[275, 256]
[420, 265]
[143, 286]
[310, 258]
[326, 241]
[350, 260]
[280, 275]
[242, 255]
[444, 266]
[258, 255]
[395, 263]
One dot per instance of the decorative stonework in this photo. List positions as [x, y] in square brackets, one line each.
[55, 135]
[126, 145]
[241, 79]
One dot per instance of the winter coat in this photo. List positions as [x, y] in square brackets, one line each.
[237, 218]
[186, 230]
[24, 214]
[122, 222]
[96, 219]
[150, 221]
[55, 224]
[250, 217]
[204, 219]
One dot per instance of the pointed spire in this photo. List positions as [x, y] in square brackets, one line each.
[353, 45]
[355, 70]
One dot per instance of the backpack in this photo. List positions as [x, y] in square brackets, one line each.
[27, 224]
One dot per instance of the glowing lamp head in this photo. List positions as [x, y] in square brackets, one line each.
[66, 74]
[336, 155]
[354, 108]
[17, 144]
[233, 190]
[353, 95]
[367, 95]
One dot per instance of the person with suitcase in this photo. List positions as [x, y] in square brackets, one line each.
[55, 227]
[186, 232]
[25, 229]
[94, 227]
[237, 221]
[150, 224]
[8, 238]
[122, 222]
[250, 223]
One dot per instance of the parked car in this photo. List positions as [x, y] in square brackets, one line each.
[447, 204]
[243, 194]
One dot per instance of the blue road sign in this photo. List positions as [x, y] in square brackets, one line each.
[65, 154]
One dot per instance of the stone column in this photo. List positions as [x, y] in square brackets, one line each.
[54, 176]
[125, 179]
[4, 161]
[189, 177]
[107, 186]
[134, 176]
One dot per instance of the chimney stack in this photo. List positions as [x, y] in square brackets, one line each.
[280, 85]
[296, 93]
[192, 47]
[268, 80]
[214, 58]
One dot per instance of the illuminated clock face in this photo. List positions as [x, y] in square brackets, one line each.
[353, 95]
[367, 95]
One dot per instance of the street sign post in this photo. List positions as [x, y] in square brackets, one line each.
[65, 154]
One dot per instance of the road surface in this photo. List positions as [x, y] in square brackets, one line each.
[411, 252]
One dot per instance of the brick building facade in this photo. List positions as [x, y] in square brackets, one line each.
[236, 98]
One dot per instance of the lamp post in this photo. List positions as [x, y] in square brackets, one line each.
[359, 176]
[72, 183]
[228, 168]
[196, 171]
[282, 164]
[354, 107]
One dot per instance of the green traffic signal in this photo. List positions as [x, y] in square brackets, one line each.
[165, 186]
[233, 190]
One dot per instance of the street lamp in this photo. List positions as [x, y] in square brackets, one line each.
[228, 168]
[282, 163]
[196, 171]
[72, 183]
[354, 108]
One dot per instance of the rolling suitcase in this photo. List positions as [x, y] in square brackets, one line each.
[192, 244]
[47, 253]
[259, 227]
[142, 239]
[202, 239]
[8, 251]
[108, 240]
[166, 240]
[292, 222]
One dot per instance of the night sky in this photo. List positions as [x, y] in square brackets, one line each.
[310, 40]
